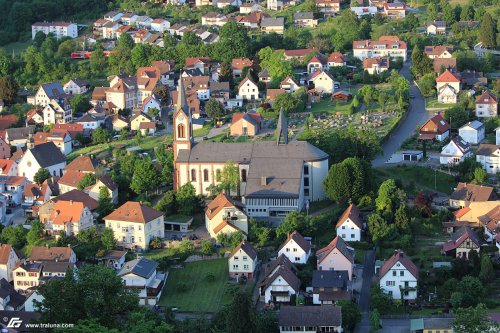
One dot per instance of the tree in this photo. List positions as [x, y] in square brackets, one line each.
[186, 199]
[427, 84]
[186, 247]
[89, 243]
[105, 206]
[8, 89]
[374, 321]
[87, 180]
[100, 135]
[386, 196]
[355, 102]
[207, 248]
[480, 175]
[379, 228]
[241, 317]
[350, 179]
[233, 42]
[401, 219]
[98, 61]
[473, 320]
[487, 273]
[108, 239]
[41, 175]
[167, 203]
[456, 116]
[163, 93]
[350, 315]
[98, 294]
[275, 63]
[487, 33]
[80, 104]
[229, 178]
[35, 233]
[145, 177]
[474, 288]
[14, 235]
[155, 243]
[214, 109]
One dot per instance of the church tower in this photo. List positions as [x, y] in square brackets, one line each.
[182, 129]
[282, 129]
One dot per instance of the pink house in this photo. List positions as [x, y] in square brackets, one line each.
[336, 256]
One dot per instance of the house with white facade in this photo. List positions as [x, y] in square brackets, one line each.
[9, 258]
[489, 157]
[243, 261]
[160, 25]
[456, 151]
[375, 66]
[47, 92]
[486, 105]
[399, 277]
[141, 274]
[385, 46]
[473, 132]
[462, 242]
[280, 281]
[289, 85]
[58, 111]
[350, 226]
[296, 248]
[70, 217]
[225, 215]
[135, 224]
[330, 287]
[447, 87]
[247, 89]
[27, 275]
[364, 11]
[58, 29]
[43, 156]
[310, 319]
[113, 259]
[336, 256]
[12, 187]
[76, 87]
[436, 28]
[322, 82]
[436, 128]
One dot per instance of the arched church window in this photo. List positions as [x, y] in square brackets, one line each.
[181, 131]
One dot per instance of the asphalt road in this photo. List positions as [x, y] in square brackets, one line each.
[364, 297]
[417, 115]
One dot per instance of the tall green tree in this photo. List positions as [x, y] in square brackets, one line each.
[186, 199]
[241, 316]
[98, 294]
[105, 206]
[233, 42]
[8, 88]
[80, 104]
[473, 320]
[229, 177]
[379, 228]
[386, 198]
[146, 177]
[87, 180]
[14, 235]
[214, 109]
[488, 31]
[41, 175]
[35, 233]
[108, 239]
[487, 273]
[98, 61]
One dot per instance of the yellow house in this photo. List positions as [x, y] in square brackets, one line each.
[119, 123]
[431, 325]
[107, 182]
[27, 276]
[135, 224]
[224, 215]
[136, 120]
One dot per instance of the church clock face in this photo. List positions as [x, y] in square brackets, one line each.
[181, 117]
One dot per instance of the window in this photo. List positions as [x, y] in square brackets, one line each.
[287, 249]
[217, 175]
[352, 235]
[343, 227]
[235, 266]
[236, 258]
[297, 259]
[205, 175]
[193, 175]
[390, 283]
[245, 258]
[294, 249]
[245, 266]
[244, 175]
[306, 181]
[181, 131]
[394, 273]
[402, 273]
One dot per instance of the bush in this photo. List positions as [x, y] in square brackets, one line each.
[155, 243]
[210, 277]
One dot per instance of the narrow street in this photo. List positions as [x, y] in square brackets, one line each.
[417, 115]
[364, 298]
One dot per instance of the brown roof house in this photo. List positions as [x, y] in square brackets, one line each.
[462, 243]
[9, 258]
[330, 287]
[83, 164]
[465, 194]
[435, 128]
[309, 318]
[238, 64]
[447, 87]
[399, 277]
[225, 215]
[248, 124]
[135, 224]
[486, 105]
[336, 256]
[46, 253]
[296, 248]
[106, 182]
[350, 225]
[280, 281]
[243, 261]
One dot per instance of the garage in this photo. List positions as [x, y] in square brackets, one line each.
[412, 155]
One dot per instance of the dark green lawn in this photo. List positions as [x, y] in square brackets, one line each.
[201, 296]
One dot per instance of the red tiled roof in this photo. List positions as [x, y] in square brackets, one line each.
[81, 163]
[447, 76]
[72, 178]
[400, 257]
[336, 57]
[461, 212]
[336, 243]
[8, 120]
[190, 62]
[273, 93]
[486, 98]
[441, 124]
[5, 250]
[220, 201]
[66, 212]
[134, 212]
[240, 63]
[256, 117]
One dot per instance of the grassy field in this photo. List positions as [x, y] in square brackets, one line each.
[422, 178]
[159, 254]
[331, 107]
[202, 295]
[432, 102]
[16, 47]
[197, 133]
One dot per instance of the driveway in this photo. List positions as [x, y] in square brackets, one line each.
[395, 326]
[417, 116]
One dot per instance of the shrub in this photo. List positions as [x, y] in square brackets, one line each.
[210, 277]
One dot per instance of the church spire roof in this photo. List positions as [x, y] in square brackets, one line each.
[282, 128]
[182, 104]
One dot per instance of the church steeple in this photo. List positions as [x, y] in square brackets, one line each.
[182, 104]
[282, 128]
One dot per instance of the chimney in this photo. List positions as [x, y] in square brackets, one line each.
[71, 202]
[263, 181]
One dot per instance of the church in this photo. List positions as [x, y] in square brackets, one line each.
[277, 177]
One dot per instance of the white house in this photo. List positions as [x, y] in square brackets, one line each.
[58, 111]
[225, 215]
[385, 46]
[473, 132]
[350, 225]
[447, 87]
[489, 157]
[280, 281]
[364, 11]
[322, 81]
[89, 121]
[9, 258]
[151, 103]
[46, 92]
[399, 277]
[247, 89]
[113, 259]
[160, 25]
[486, 105]
[456, 151]
[497, 133]
[436, 28]
[330, 286]
[243, 261]
[140, 274]
[44, 156]
[296, 248]
[76, 86]
[12, 187]
[336, 256]
[58, 29]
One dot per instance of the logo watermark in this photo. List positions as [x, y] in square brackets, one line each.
[16, 322]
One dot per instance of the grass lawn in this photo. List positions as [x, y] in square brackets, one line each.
[178, 218]
[159, 254]
[422, 178]
[202, 131]
[17, 47]
[432, 102]
[327, 106]
[201, 296]
[319, 205]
